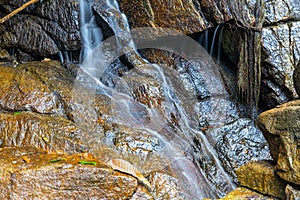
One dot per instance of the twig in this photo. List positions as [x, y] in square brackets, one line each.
[17, 10]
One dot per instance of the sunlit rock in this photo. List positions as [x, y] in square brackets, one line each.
[23, 129]
[244, 193]
[37, 87]
[31, 173]
[281, 128]
[260, 176]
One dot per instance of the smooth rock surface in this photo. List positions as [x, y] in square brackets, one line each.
[281, 128]
[260, 176]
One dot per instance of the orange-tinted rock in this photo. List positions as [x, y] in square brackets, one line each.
[260, 176]
[59, 176]
[40, 131]
[281, 128]
[245, 194]
[180, 15]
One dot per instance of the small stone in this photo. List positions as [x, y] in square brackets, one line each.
[4, 55]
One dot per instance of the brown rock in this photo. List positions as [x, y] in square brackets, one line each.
[40, 131]
[35, 86]
[58, 176]
[244, 193]
[260, 176]
[179, 15]
[281, 128]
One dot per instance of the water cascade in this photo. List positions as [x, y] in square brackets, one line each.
[182, 151]
[209, 44]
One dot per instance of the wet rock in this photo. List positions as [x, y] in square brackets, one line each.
[22, 129]
[237, 143]
[139, 143]
[142, 193]
[292, 193]
[260, 176]
[281, 11]
[167, 187]
[280, 45]
[30, 173]
[179, 15]
[38, 87]
[281, 129]
[42, 29]
[244, 193]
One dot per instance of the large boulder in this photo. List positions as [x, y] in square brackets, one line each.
[281, 128]
[28, 173]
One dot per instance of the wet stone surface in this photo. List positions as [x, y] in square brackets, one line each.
[30, 173]
[237, 143]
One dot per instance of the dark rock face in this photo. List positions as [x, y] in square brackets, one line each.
[42, 30]
[281, 129]
[297, 79]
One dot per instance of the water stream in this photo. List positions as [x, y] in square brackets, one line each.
[129, 112]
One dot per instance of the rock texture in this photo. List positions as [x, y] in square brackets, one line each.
[260, 176]
[28, 173]
[180, 15]
[42, 29]
[281, 128]
[297, 78]
[280, 41]
[244, 193]
[292, 193]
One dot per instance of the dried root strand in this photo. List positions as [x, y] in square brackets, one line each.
[13, 13]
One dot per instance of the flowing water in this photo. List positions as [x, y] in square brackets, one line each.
[129, 112]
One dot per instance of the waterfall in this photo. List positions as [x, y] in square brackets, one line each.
[129, 112]
[91, 34]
